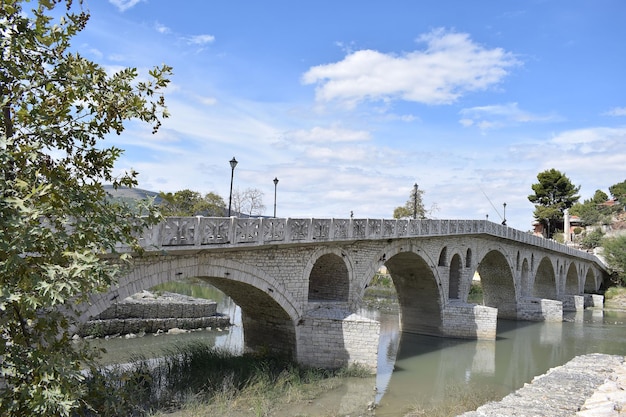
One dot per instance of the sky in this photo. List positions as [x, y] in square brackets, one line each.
[350, 103]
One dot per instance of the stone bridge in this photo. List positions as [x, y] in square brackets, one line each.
[300, 282]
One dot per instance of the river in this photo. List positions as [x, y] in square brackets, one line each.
[425, 372]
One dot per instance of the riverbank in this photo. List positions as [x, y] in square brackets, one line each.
[586, 386]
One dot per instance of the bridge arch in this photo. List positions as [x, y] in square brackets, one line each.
[545, 285]
[456, 274]
[329, 273]
[498, 283]
[418, 285]
[591, 284]
[572, 286]
[268, 313]
[525, 279]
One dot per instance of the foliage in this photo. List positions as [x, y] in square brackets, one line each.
[191, 203]
[413, 208]
[593, 211]
[248, 202]
[592, 239]
[618, 191]
[57, 107]
[553, 194]
[615, 254]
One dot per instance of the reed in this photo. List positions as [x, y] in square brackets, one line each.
[199, 377]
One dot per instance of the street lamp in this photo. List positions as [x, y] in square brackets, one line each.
[275, 185]
[504, 220]
[233, 164]
[415, 201]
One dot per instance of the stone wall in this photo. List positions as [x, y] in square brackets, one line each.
[539, 309]
[150, 313]
[333, 337]
[470, 321]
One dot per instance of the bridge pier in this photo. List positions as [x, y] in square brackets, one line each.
[469, 321]
[594, 300]
[330, 337]
[539, 309]
[573, 302]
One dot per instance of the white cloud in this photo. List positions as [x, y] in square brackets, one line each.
[450, 66]
[162, 28]
[617, 111]
[332, 134]
[124, 5]
[499, 115]
[591, 140]
[200, 39]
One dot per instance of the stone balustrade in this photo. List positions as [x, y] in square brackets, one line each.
[206, 232]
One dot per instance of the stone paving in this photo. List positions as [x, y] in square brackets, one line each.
[587, 386]
[609, 400]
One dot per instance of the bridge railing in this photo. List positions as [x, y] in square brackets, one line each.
[206, 232]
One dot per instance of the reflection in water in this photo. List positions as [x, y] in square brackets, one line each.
[428, 370]
[425, 371]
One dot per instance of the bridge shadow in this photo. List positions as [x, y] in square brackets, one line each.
[266, 325]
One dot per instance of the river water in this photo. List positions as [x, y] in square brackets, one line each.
[426, 372]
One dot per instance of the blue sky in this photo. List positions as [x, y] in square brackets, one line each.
[349, 103]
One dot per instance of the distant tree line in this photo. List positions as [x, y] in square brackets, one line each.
[192, 203]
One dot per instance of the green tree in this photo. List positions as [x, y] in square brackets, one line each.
[57, 108]
[553, 194]
[414, 206]
[593, 211]
[592, 239]
[614, 251]
[191, 203]
[618, 191]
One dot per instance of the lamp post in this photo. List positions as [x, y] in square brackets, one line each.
[415, 201]
[504, 220]
[275, 186]
[233, 164]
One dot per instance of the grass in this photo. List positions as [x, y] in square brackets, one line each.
[458, 401]
[200, 380]
[615, 292]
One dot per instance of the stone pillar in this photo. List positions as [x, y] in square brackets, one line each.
[539, 309]
[469, 321]
[566, 227]
[330, 337]
[594, 300]
[573, 302]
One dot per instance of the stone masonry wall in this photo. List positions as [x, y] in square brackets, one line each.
[470, 321]
[332, 338]
[145, 312]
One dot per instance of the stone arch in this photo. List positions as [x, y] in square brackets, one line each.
[525, 279]
[443, 257]
[329, 277]
[268, 315]
[545, 280]
[468, 258]
[571, 281]
[591, 284]
[498, 284]
[454, 282]
[418, 292]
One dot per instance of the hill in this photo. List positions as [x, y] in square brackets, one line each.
[125, 193]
